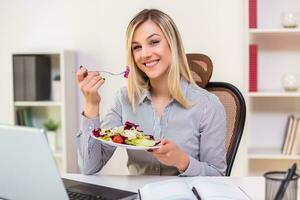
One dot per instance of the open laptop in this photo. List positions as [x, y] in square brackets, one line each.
[28, 170]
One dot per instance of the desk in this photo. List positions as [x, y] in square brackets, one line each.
[253, 186]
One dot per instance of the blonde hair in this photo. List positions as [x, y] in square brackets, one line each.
[138, 82]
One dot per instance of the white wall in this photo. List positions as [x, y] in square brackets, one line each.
[95, 29]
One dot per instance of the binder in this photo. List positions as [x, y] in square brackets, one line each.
[253, 68]
[252, 13]
[37, 77]
[19, 79]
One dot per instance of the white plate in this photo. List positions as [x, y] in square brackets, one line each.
[124, 145]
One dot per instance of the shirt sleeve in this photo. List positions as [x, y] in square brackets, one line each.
[93, 155]
[212, 153]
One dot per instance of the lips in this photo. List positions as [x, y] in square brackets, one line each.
[151, 63]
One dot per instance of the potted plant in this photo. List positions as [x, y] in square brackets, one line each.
[56, 88]
[51, 126]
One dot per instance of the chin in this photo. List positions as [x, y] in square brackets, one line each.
[155, 77]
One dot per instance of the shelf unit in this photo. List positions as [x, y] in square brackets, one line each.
[273, 94]
[61, 109]
[269, 107]
[273, 31]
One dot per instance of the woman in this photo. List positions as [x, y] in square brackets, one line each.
[162, 98]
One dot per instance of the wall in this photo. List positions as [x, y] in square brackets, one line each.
[95, 29]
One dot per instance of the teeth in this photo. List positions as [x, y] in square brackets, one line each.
[152, 63]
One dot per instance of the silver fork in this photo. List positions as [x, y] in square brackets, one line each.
[108, 72]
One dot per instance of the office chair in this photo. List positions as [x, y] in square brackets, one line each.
[231, 98]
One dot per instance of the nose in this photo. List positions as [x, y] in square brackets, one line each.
[146, 53]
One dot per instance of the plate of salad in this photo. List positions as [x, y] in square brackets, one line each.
[126, 136]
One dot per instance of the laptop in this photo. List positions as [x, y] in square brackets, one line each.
[28, 171]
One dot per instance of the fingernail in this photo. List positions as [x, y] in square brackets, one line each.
[80, 66]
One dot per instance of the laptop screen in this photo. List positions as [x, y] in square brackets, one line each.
[28, 170]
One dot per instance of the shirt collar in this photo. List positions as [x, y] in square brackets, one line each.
[147, 95]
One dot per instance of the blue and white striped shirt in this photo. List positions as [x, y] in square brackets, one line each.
[200, 131]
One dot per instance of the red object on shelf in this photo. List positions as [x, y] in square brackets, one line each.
[252, 13]
[253, 68]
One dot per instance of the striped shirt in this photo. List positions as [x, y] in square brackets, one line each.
[199, 131]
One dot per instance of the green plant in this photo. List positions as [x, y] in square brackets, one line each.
[57, 77]
[51, 125]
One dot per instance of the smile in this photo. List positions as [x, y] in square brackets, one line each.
[151, 63]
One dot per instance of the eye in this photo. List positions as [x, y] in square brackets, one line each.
[154, 42]
[136, 47]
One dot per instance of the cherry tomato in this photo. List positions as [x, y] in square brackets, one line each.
[118, 139]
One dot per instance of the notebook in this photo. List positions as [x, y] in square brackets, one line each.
[28, 170]
[194, 189]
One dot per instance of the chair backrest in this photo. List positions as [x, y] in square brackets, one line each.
[231, 98]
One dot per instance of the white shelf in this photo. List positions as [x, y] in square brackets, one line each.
[37, 103]
[267, 109]
[270, 153]
[63, 111]
[274, 94]
[274, 31]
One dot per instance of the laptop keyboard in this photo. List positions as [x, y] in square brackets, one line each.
[80, 196]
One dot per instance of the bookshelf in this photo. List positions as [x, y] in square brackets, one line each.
[278, 53]
[33, 107]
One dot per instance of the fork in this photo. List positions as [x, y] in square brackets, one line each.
[110, 73]
[125, 73]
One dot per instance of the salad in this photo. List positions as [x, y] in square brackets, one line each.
[128, 134]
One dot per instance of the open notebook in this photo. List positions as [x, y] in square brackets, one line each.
[181, 189]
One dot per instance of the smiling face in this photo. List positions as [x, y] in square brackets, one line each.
[151, 50]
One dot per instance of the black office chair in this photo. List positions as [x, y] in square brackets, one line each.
[231, 98]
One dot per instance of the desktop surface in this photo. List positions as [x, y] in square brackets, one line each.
[253, 186]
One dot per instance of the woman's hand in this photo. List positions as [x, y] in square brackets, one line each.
[170, 154]
[89, 83]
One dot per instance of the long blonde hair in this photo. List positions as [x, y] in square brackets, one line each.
[138, 82]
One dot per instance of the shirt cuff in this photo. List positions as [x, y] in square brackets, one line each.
[193, 169]
[88, 125]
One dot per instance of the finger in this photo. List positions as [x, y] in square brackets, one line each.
[163, 147]
[164, 141]
[93, 81]
[81, 74]
[161, 150]
[89, 77]
[98, 85]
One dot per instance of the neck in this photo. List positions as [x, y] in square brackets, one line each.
[159, 88]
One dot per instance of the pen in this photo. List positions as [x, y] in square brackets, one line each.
[139, 194]
[196, 193]
[285, 182]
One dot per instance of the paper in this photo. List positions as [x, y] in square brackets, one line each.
[182, 189]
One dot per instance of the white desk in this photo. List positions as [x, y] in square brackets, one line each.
[253, 186]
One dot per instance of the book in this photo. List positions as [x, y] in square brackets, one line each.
[252, 13]
[287, 144]
[286, 133]
[18, 74]
[20, 117]
[296, 141]
[26, 112]
[292, 137]
[37, 77]
[191, 189]
[253, 68]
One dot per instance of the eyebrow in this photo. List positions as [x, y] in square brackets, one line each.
[133, 42]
